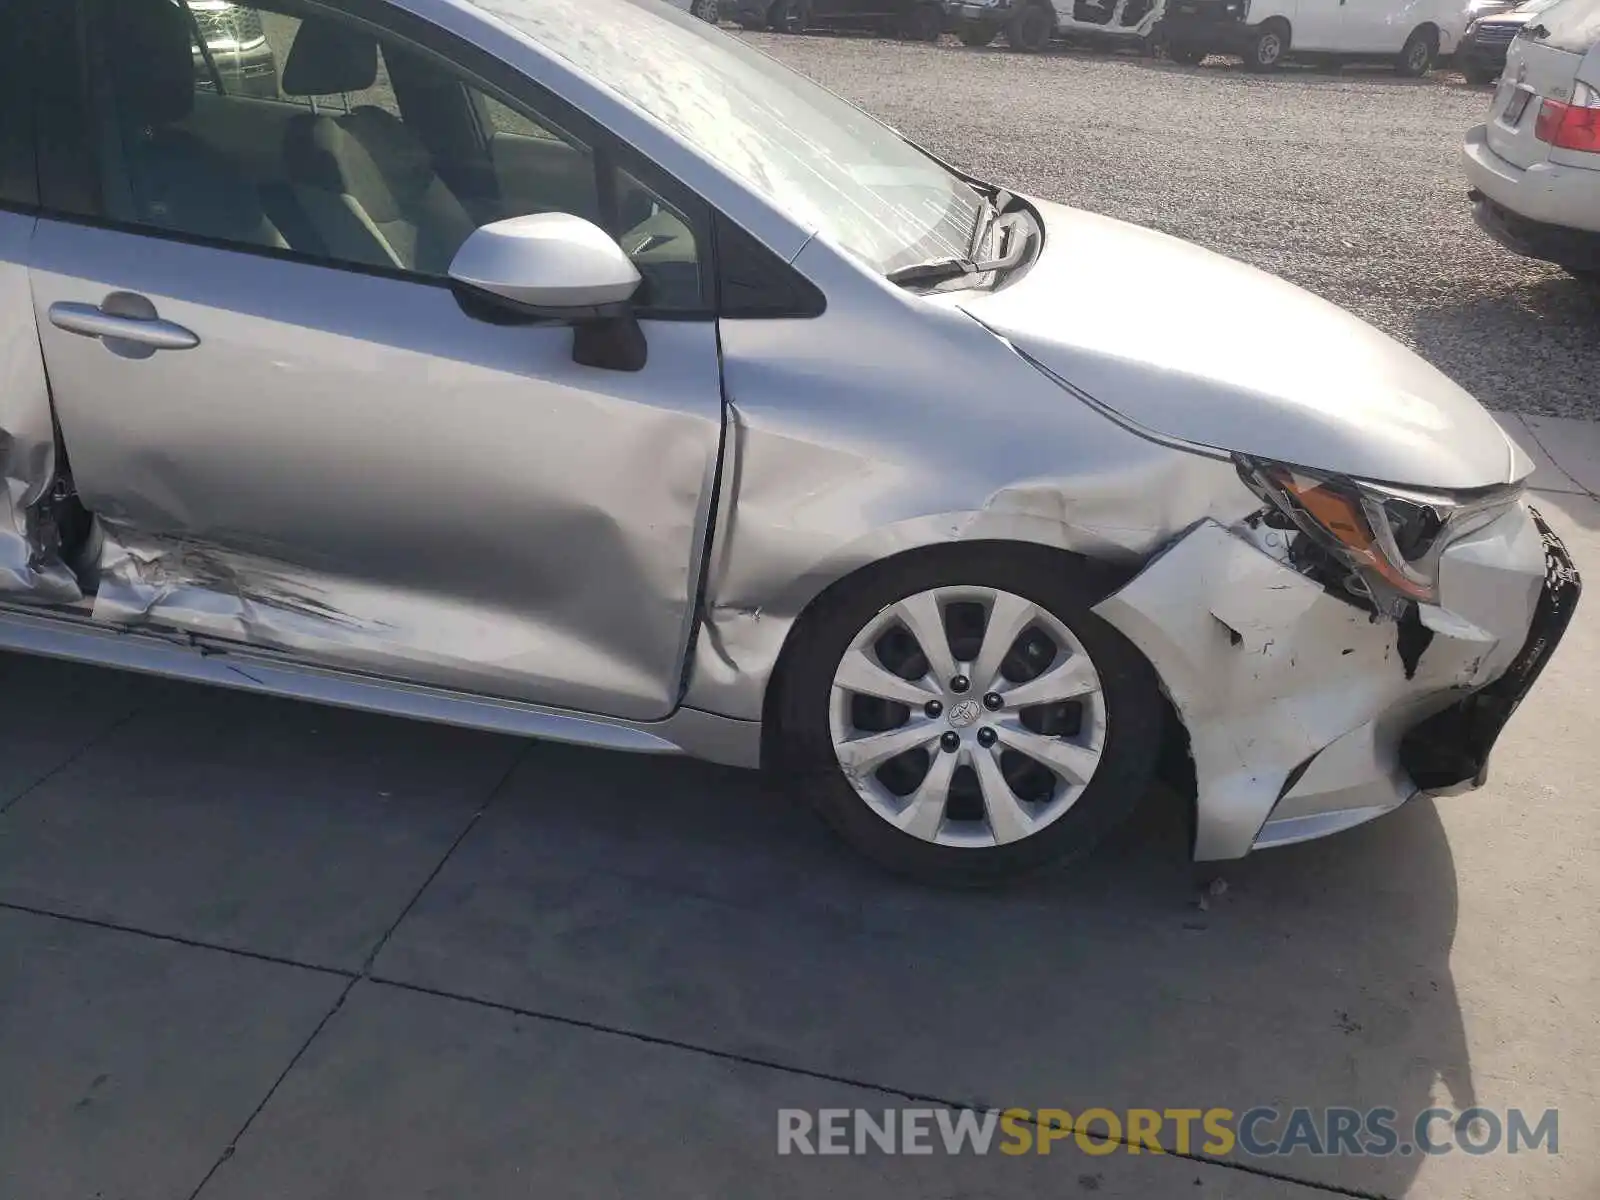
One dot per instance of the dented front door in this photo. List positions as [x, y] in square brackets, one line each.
[348, 468]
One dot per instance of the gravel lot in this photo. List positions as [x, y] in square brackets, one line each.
[1346, 184]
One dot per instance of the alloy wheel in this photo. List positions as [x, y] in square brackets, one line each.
[967, 716]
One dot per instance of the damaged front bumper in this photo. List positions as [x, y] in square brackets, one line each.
[1306, 715]
[1449, 752]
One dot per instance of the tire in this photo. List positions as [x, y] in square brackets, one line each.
[961, 843]
[1186, 54]
[1266, 51]
[972, 33]
[924, 23]
[1479, 75]
[789, 16]
[1416, 56]
[706, 10]
[1031, 29]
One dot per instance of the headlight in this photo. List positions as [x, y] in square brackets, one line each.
[1390, 537]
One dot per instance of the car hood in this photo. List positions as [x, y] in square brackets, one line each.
[1513, 19]
[1197, 347]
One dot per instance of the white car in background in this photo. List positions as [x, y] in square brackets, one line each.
[1534, 166]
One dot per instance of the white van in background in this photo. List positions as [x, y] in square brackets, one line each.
[1413, 34]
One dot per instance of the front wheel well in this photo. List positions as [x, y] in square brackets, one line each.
[1098, 578]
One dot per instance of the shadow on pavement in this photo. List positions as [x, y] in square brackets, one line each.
[691, 904]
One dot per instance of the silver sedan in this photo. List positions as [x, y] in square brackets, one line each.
[568, 368]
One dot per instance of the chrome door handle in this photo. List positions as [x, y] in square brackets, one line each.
[122, 320]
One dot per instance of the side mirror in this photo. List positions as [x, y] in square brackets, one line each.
[555, 266]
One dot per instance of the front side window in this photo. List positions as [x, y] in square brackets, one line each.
[825, 163]
[288, 128]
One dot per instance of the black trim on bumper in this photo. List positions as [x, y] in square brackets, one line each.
[1576, 248]
[1452, 748]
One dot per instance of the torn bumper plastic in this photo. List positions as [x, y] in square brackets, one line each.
[1449, 752]
[1305, 716]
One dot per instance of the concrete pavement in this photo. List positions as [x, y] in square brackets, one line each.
[256, 949]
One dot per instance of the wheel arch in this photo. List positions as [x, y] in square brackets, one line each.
[1432, 38]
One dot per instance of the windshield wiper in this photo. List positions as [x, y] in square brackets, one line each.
[994, 206]
[938, 270]
[943, 270]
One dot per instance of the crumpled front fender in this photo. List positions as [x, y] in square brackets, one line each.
[1295, 700]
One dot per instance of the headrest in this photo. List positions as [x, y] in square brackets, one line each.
[327, 59]
[368, 154]
[150, 47]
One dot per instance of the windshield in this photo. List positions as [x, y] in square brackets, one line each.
[825, 163]
[1533, 7]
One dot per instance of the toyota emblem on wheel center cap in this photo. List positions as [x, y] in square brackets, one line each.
[964, 714]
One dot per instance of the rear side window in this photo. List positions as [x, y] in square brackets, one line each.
[1574, 26]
